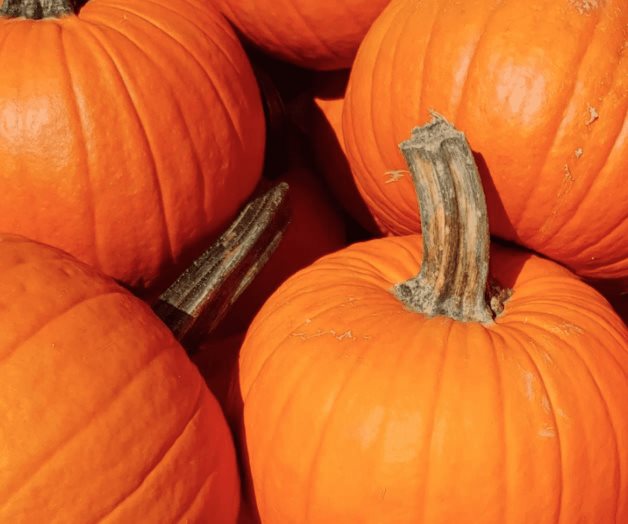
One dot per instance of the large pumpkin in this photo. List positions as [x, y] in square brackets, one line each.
[310, 33]
[541, 90]
[130, 132]
[104, 418]
[371, 401]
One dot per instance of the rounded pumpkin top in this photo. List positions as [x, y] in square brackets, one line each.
[103, 415]
[378, 414]
[311, 33]
[540, 88]
[130, 133]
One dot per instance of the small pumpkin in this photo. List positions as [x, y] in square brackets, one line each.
[374, 396]
[104, 417]
[541, 90]
[130, 132]
[308, 33]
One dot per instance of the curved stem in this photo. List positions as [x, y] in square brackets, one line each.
[37, 9]
[198, 300]
[453, 280]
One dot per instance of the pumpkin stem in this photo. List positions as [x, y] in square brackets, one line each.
[453, 280]
[198, 300]
[36, 9]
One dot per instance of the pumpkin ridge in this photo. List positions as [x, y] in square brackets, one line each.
[312, 471]
[93, 28]
[57, 315]
[527, 353]
[590, 183]
[348, 132]
[561, 122]
[424, 474]
[97, 412]
[398, 128]
[603, 402]
[428, 45]
[503, 424]
[89, 202]
[159, 459]
[382, 205]
[193, 147]
[285, 406]
[145, 18]
[584, 312]
[193, 22]
[472, 60]
[312, 31]
[208, 480]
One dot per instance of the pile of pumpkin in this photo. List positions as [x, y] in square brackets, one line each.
[437, 335]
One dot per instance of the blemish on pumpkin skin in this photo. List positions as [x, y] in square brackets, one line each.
[395, 175]
[528, 384]
[566, 328]
[344, 335]
[584, 7]
[593, 115]
[579, 152]
[547, 432]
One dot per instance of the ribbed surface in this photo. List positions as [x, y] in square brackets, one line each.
[104, 417]
[539, 88]
[356, 410]
[310, 33]
[130, 134]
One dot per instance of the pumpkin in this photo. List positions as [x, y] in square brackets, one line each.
[328, 146]
[308, 33]
[374, 396]
[104, 418]
[130, 132]
[541, 90]
[316, 228]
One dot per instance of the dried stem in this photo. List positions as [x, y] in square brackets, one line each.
[454, 220]
[196, 302]
[36, 9]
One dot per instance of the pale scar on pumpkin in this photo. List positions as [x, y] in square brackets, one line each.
[395, 175]
[585, 6]
[593, 115]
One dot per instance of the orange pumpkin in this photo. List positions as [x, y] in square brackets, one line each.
[327, 142]
[367, 400]
[310, 33]
[545, 115]
[103, 415]
[130, 132]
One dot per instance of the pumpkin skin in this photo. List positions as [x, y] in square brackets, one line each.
[104, 416]
[378, 414]
[129, 136]
[308, 33]
[545, 116]
[327, 142]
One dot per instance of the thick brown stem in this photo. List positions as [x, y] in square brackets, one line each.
[454, 273]
[198, 300]
[36, 9]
